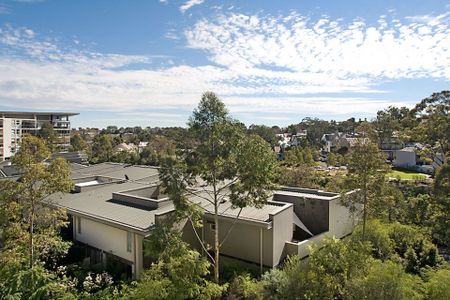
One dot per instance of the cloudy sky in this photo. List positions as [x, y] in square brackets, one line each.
[147, 62]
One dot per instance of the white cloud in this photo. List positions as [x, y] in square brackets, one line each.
[259, 64]
[188, 4]
[416, 48]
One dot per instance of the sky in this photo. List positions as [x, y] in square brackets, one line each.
[147, 62]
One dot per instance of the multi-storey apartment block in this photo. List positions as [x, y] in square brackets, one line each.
[13, 125]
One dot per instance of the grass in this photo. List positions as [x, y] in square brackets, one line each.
[408, 175]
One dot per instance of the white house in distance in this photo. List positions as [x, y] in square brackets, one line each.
[114, 207]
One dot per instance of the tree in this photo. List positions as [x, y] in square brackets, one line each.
[230, 164]
[157, 149]
[47, 133]
[267, 133]
[389, 121]
[433, 114]
[367, 169]
[331, 159]
[32, 227]
[77, 143]
[102, 148]
[441, 195]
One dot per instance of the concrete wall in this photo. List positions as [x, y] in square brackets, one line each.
[341, 223]
[282, 227]
[312, 212]
[341, 220]
[243, 241]
[302, 248]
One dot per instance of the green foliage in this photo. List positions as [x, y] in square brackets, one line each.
[77, 143]
[384, 281]
[331, 160]
[406, 244]
[302, 176]
[441, 194]
[245, 287]
[158, 148]
[367, 170]
[324, 275]
[433, 114]
[48, 134]
[437, 283]
[102, 149]
[30, 224]
[265, 132]
[31, 227]
[299, 156]
[35, 283]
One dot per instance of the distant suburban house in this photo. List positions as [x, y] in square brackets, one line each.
[124, 147]
[334, 141]
[286, 140]
[409, 158]
[114, 207]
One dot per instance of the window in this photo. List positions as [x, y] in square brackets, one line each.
[129, 241]
[79, 225]
[212, 227]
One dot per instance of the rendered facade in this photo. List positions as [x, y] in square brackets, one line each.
[13, 125]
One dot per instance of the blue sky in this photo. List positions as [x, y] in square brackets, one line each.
[147, 62]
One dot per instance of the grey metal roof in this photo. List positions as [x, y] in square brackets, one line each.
[247, 213]
[97, 203]
[136, 173]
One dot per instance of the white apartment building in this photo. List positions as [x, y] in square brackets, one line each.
[13, 125]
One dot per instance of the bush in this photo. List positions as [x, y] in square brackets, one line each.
[245, 287]
[385, 280]
[437, 286]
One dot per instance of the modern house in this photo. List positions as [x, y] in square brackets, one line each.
[114, 207]
[409, 158]
[13, 125]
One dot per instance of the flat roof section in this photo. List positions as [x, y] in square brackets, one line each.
[143, 174]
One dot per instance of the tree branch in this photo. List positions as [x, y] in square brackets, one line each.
[231, 227]
[200, 240]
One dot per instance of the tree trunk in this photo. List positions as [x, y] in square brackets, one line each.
[364, 211]
[31, 241]
[216, 244]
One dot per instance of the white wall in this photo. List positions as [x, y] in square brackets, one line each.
[341, 221]
[282, 227]
[104, 237]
